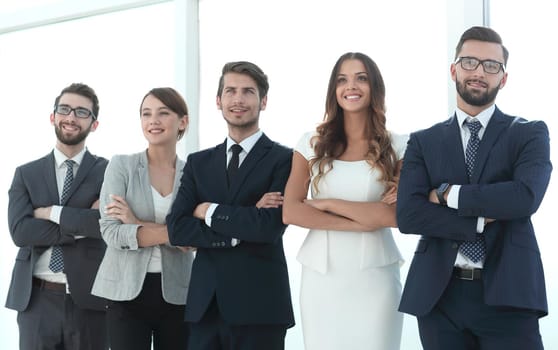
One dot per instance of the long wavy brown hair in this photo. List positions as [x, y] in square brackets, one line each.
[331, 142]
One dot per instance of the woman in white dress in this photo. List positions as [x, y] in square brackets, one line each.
[350, 285]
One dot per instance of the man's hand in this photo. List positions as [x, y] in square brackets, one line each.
[119, 209]
[270, 200]
[432, 197]
[200, 210]
[95, 205]
[42, 213]
[488, 221]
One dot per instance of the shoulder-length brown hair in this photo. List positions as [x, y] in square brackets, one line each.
[331, 142]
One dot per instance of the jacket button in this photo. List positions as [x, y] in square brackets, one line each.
[455, 245]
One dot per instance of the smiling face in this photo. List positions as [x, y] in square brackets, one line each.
[240, 104]
[477, 89]
[70, 130]
[353, 87]
[159, 123]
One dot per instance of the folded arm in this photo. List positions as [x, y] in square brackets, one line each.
[298, 212]
[416, 214]
[184, 228]
[28, 230]
[522, 194]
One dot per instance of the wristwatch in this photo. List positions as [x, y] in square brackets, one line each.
[440, 191]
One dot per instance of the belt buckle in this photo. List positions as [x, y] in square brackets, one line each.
[467, 277]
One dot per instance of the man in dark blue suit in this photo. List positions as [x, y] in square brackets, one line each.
[469, 186]
[53, 214]
[229, 208]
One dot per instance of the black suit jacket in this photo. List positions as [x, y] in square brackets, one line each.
[250, 281]
[34, 185]
[510, 178]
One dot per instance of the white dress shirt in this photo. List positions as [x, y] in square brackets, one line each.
[247, 144]
[41, 269]
[453, 195]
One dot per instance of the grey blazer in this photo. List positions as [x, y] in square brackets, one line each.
[122, 271]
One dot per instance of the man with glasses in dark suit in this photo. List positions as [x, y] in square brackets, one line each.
[469, 186]
[53, 217]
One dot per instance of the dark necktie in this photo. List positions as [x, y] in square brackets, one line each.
[56, 263]
[233, 163]
[475, 250]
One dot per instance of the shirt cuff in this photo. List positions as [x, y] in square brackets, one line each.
[453, 196]
[55, 213]
[480, 224]
[453, 202]
[209, 213]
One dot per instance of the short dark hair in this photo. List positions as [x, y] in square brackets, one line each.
[249, 69]
[172, 100]
[481, 34]
[82, 90]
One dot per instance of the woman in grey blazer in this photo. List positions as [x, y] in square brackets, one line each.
[141, 273]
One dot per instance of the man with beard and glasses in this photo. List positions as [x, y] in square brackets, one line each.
[469, 186]
[53, 217]
[229, 207]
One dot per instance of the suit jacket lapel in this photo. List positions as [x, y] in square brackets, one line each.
[179, 166]
[498, 122]
[50, 177]
[260, 149]
[145, 183]
[86, 164]
[218, 168]
[454, 151]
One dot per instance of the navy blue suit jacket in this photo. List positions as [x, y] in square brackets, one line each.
[34, 185]
[250, 281]
[508, 184]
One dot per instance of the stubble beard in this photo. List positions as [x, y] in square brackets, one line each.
[243, 125]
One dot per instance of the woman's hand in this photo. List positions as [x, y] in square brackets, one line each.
[119, 209]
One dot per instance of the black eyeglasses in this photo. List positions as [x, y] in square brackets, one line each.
[489, 66]
[79, 112]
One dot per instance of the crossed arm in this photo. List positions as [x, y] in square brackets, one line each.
[151, 234]
[31, 226]
[332, 214]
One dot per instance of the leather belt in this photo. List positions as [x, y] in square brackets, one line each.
[59, 287]
[467, 274]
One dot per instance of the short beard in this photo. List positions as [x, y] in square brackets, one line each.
[71, 141]
[477, 100]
